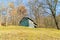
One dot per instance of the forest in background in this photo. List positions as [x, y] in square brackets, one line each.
[43, 12]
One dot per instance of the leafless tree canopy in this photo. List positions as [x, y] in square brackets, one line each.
[43, 12]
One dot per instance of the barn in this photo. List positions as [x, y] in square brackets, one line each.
[26, 21]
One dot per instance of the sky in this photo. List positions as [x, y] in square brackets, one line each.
[5, 3]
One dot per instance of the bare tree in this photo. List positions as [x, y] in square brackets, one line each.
[0, 17]
[22, 12]
[37, 12]
[48, 6]
[52, 4]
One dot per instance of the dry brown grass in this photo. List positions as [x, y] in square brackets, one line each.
[22, 33]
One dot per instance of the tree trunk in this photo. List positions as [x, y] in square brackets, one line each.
[54, 16]
[56, 22]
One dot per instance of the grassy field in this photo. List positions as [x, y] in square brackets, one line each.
[24, 33]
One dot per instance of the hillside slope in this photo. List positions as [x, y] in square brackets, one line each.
[22, 33]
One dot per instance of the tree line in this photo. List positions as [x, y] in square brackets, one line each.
[43, 12]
